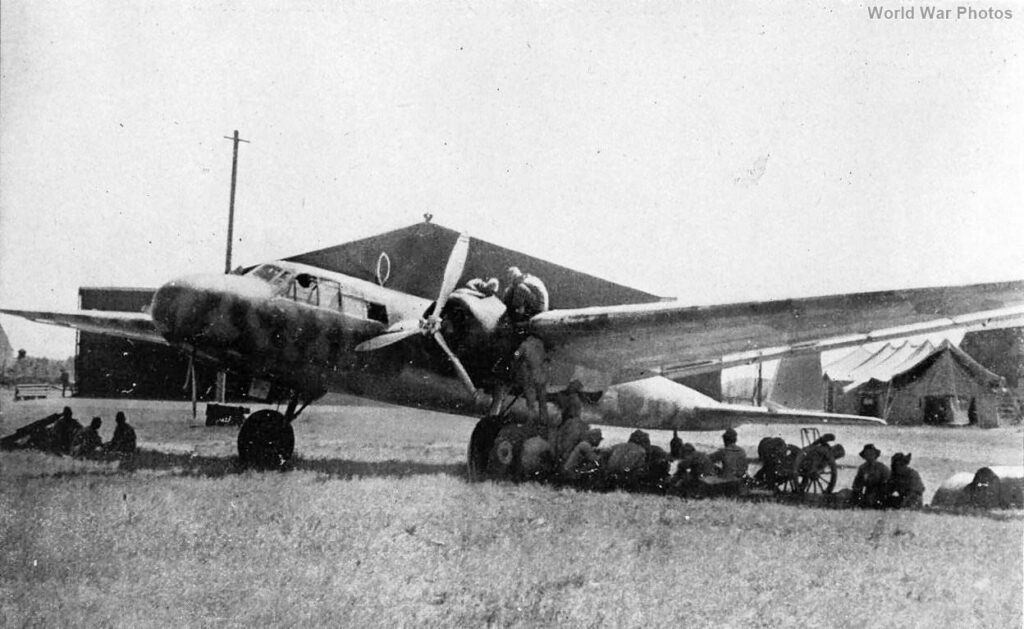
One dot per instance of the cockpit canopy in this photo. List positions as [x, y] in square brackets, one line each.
[317, 291]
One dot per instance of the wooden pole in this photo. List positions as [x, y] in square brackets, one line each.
[220, 389]
[231, 205]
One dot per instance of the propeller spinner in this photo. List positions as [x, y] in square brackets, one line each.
[431, 324]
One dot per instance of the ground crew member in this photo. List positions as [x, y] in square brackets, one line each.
[675, 445]
[730, 460]
[693, 467]
[584, 457]
[87, 440]
[64, 431]
[627, 461]
[123, 441]
[870, 483]
[487, 287]
[525, 295]
[906, 489]
[531, 375]
[572, 429]
[570, 400]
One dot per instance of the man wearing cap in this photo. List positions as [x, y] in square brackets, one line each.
[870, 483]
[905, 489]
[731, 460]
[525, 295]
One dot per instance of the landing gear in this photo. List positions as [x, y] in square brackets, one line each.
[266, 441]
[480, 445]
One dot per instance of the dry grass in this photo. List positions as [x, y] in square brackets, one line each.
[376, 526]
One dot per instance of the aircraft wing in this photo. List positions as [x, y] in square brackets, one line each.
[672, 339]
[137, 326]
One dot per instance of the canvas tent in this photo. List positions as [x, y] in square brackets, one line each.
[914, 384]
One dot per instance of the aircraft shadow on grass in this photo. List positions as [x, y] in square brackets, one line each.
[192, 465]
[189, 464]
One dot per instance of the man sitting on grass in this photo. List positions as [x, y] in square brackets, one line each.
[731, 460]
[87, 440]
[871, 482]
[123, 442]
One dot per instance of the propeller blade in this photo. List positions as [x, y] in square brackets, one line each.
[452, 272]
[463, 374]
[394, 334]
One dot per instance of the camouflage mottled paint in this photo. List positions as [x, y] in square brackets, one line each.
[239, 321]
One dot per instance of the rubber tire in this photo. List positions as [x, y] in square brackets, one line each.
[503, 462]
[481, 442]
[266, 441]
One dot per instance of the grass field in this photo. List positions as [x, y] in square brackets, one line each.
[377, 526]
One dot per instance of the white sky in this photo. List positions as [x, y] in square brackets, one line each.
[711, 153]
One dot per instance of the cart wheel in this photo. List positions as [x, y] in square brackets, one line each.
[787, 486]
[815, 471]
[786, 480]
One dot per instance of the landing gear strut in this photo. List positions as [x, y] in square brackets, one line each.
[266, 440]
[481, 442]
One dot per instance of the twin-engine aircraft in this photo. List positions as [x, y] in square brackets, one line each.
[297, 331]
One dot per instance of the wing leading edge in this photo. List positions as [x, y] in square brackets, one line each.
[137, 326]
[668, 338]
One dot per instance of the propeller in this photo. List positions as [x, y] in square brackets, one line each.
[431, 324]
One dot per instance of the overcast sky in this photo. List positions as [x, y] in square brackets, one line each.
[688, 149]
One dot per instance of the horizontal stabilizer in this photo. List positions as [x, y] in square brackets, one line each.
[661, 404]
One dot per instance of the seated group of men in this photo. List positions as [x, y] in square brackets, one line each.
[700, 474]
[66, 435]
[570, 452]
[878, 487]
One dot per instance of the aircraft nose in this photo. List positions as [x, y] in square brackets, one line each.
[210, 308]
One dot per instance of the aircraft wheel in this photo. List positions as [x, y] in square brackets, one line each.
[481, 442]
[816, 471]
[506, 454]
[266, 441]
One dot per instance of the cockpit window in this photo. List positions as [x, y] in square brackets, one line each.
[305, 289]
[273, 275]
